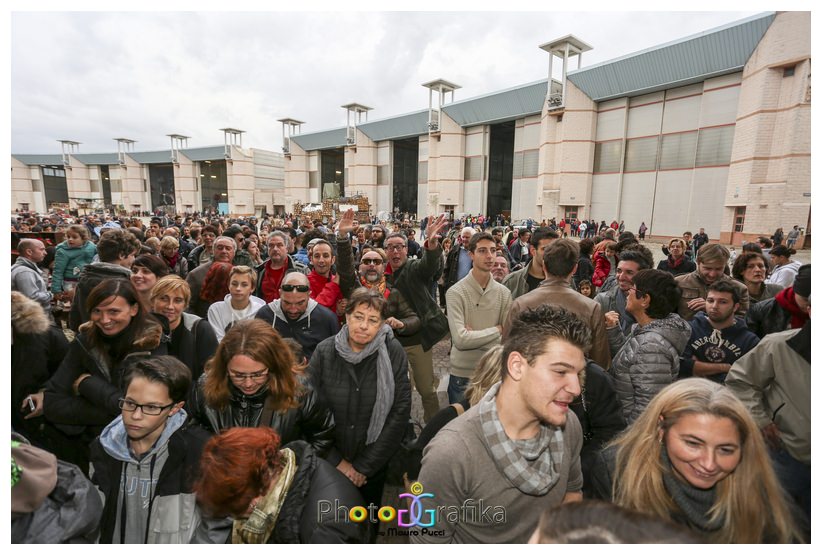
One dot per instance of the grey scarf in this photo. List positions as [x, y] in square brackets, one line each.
[532, 465]
[385, 375]
[694, 503]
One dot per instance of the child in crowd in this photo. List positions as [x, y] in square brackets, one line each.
[70, 257]
[587, 288]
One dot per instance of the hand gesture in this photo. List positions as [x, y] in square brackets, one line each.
[346, 224]
[697, 304]
[394, 323]
[611, 319]
[434, 229]
[38, 405]
[771, 435]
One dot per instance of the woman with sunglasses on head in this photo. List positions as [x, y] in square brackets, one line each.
[696, 457]
[83, 394]
[648, 359]
[253, 381]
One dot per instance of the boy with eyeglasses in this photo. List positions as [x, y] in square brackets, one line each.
[144, 463]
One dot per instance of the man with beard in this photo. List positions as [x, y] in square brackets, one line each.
[718, 338]
[294, 314]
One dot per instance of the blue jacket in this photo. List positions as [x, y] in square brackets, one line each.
[711, 345]
[68, 262]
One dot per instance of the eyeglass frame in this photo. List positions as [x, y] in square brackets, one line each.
[253, 376]
[122, 401]
[289, 287]
[396, 247]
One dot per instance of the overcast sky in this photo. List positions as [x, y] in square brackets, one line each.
[92, 76]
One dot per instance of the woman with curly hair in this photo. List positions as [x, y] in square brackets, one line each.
[696, 457]
[253, 380]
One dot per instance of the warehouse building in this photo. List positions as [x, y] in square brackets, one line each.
[711, 131]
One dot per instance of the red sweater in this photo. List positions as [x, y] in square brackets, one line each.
[324, 291]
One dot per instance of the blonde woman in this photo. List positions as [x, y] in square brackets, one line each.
[696, 457]
[170, 253]
[239, 304]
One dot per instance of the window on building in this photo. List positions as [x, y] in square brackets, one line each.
[607, 156]
[640, 154]
[571, 213]
[473, 168]
[789, 71]
[714, 145]
[24, 206]
[678, 151]
[530, 163]
[739, 219]
[422, 173]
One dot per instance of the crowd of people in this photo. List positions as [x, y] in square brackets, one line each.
[240, 380]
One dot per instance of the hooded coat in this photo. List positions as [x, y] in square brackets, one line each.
[69, 262]
[316, 324]
[646, 361]
[155, 494]
[221, 316]
[37, 349]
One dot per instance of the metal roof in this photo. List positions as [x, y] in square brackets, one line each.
[39, 159]
[400, 127]
[151, 157]
[204, 153]
[506, 105]
[105, 159]
[688, 60]
[332, 138]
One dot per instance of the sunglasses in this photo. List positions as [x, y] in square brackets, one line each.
[371, 261]
[288, 287]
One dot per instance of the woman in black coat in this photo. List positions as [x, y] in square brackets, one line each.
[362, 373]
[273, 495]
[83, 395]
[190, 338]
[37, 349]
[253, 380]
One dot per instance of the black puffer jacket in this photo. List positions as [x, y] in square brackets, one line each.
[312, 421]
[307, 515]
[766, 317]
[351, 392]
[193, 342]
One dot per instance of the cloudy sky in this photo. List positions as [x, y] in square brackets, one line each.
[92, 75]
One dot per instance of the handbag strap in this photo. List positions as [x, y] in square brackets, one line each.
[268, 411]
[459, 408]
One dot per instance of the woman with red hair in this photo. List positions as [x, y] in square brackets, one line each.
[273, 495]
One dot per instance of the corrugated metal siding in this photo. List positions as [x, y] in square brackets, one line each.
[37, 159]
[333, 138]
[715, 52]
[502, 106]
[400, 127]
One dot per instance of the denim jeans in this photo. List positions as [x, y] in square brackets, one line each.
[456, 388]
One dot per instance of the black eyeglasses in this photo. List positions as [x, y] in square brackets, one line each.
[371, 261]
[288, 287]
[148, 410]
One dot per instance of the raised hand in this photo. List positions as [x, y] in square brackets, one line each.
[434, 229]
[346, 223]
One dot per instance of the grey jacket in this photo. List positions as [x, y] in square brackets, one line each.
[27, 279]
[517, 282]
[646, 361]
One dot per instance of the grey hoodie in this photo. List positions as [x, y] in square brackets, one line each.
[138, 484]
[646, 361]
